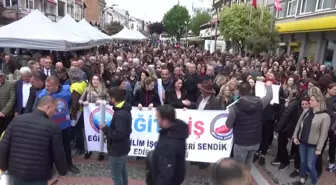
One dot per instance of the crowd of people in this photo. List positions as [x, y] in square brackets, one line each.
[191, 78]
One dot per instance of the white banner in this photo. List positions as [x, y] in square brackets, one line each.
[209, 139]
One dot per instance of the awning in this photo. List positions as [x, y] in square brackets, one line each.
[52, 2]
[310, 25]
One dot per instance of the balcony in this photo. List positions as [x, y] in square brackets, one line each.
[13, 12]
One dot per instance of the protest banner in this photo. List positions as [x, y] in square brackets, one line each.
[260, 91]
[209, 139]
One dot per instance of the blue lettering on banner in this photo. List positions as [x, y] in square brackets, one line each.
[211, 146]
[95, 138]
[143, 125]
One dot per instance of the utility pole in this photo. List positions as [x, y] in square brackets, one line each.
[187, 33]
[216, 24]
[216, 28]
[17, 10]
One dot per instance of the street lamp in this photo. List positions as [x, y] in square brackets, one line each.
[181, 30]
[186, 22]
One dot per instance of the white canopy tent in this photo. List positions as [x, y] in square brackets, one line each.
[98, 35]
[140, 35]
[67, 22]
[126, 34]
[36, 31]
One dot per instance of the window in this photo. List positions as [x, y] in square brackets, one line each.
[307, 6]
[38, 5]
[324, 4]
[282, 13]
[7, 3]
[291, 8]
[50, 8]
[70, 9]
[22, 3]
[329, 53]
[78, 12]
[61, 8]
[31, 5]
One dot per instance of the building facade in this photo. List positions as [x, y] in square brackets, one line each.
[94, 11]
[208, 30]
[53, 9]
[113, 14]
[136, 24]
[308, 28]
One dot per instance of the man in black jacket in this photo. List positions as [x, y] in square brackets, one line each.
[170, 151]
[37, 81]
[118, 135]
[31, 145]
[245, 117]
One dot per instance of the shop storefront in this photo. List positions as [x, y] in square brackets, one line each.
[312, 38]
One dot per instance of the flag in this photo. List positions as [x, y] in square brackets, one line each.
[277, 5]
[254, 3]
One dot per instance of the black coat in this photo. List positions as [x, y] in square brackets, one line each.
[171, 98]
[288, 118]
[190, 84]
[30, 146]
[31, 99]
[169, 155]
[118, 134]
[145, 98]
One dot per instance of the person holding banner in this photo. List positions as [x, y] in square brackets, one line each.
[177, 96]
[95, 92]
[118, 135]
[147, 96]
[207, 101]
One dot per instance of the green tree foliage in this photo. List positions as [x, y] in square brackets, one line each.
[199, 19]
[175, 21]
[156, 27]
[113, 28]
[249, 27]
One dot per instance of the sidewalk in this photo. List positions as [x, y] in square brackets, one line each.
[94, 172]
[274, 176]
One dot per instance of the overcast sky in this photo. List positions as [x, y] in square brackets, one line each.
[153, 10]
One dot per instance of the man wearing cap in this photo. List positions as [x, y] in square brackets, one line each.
[7, 101]
[207, 101]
